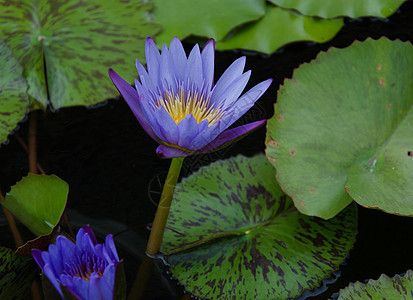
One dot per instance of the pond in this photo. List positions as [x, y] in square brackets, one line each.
[115, 177]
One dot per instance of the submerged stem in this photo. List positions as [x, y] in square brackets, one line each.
[161, 216]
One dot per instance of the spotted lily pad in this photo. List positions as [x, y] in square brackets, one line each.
[38, 201]
[66, 47]
[232, 233]
[343, 126]
[337, 8]
[398, 287]
[14, 102]
[210, 19]
[279, 27]
[16, 275]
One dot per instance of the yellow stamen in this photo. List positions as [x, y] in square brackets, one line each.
[180, 105]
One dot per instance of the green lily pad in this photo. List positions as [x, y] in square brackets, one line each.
[279, 27]
[71, 44]
[16, 275]
[345, 117]
[398, 287]
[337, 8]
[210, 19]
[38, 201]
[233, 233]
[14, 102]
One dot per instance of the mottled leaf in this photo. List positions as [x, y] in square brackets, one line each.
[16, 275]
[233, 234]
[13, 87]
[349, 8]
[344, 121]
[38, 201]
[398, 287]
[71, 44]
[210, 19]
[279, 27]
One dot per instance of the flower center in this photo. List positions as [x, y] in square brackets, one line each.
[181, 104]
[86, 266]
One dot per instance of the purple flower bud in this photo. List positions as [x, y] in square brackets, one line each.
[87, 269]
[178, 105]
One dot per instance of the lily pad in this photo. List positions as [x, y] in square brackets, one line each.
[344, 121]
[66, 47]
[14, 102]
[279, 27]
[16, 275]
[337, 8]
[398, 287]
[210, 19]
[38, 201]
[233, 233]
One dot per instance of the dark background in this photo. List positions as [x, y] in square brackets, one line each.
[115, 175]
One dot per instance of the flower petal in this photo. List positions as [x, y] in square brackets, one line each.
[47, 270]
[179, 58]
[234, 90]
[188, 130]
[164, 151]
[230, 135]
[131, 97]
[167, 125]
[152, 60]
[166, 71]
[111, 248]
[87, 230]
[246, 101]
[208, 60]
[37, 255]
[230, 74]
[144, 74]
[193, 70]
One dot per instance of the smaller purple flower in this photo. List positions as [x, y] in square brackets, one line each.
[87, 269]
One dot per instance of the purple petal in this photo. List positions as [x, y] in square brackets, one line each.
[67, 249]
[111, 248]
[152, 60]
[143, 74]
[230, 74]
[93, 289]
[234, 90]
[37, 255]
[89, 232]
[131, 97]
[193, 71]
[207, 135]
[246, 101]
[107, 282]
[47, 270]
[166, 72]
[56, 258]
[188, 130]
[230, 135]
[179, 58]
[167, 125]
[164, 151]
[208, 60]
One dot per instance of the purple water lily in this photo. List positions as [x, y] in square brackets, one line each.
[178, 105]
[87, 269]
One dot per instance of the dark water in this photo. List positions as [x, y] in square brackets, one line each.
[115, 175]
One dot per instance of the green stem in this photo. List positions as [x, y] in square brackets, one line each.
[161, 216]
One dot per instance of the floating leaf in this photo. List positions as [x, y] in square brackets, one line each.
[337, 8]
[210, 19]
[398, 287]
[78, 41]
[16, 275]
[280, 27]
[38, 201]
[347, 116]
[13, 87]
[235, 234]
